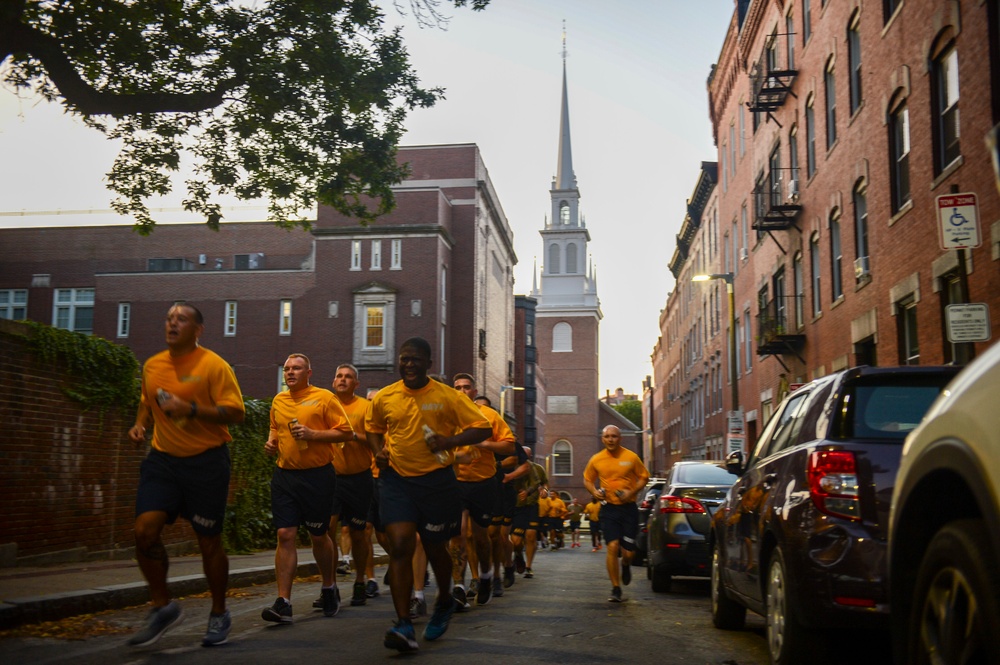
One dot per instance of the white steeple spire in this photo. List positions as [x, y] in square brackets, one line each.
[565, 178]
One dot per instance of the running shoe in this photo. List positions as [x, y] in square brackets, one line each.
[519, 562]
[484, 593]
[508, 576]
[626, 573]
[474, 586]
[281, 611]
[438, 624]
[358, 596]
[616, 595]
[401, 637]
[418, 608]
[219, 626]
[497, 587]
[331, 601]
[318, 603]
[461, 599]
[528, 574]
[158, 621]
[371, 589]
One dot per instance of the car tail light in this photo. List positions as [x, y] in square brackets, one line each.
[833, 483]
[680, 504]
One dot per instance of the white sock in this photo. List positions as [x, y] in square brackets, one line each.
[419, 595]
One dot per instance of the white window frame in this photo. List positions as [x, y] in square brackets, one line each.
[363, 355]
[76, 300]
[11, 301]
[562, 451]
[124, 319]
[229, 320]
[562, 338]
[355, 255]
[285, 317]
[396, 257]
[376, 255]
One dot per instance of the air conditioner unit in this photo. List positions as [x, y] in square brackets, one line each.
[793, 190]
[861, 267]
[743, 254]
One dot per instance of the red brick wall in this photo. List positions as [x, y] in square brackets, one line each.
[68, 477]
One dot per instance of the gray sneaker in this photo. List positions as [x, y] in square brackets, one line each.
[158, 621]
[218, 629]
[418, 608]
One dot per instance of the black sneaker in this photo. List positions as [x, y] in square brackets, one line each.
[484, 593]
[371, 589]
[343, 567]
[158, 621]
[528, 574]
[626, 573]
[358, 597]
[318, 603]
[280, 612]
[616, 595]
[497, 587]
[461, 599]
[331, 601]
[508, 576]
[519, 563]
[401, 637]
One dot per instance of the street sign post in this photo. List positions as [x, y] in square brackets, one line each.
[958, 221]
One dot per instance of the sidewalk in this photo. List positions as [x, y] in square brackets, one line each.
[46, 593]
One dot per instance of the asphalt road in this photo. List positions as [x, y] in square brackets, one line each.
[560, 616]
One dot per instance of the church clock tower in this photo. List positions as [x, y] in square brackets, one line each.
[568, 316]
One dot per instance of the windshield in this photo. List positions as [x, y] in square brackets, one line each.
[704, 474]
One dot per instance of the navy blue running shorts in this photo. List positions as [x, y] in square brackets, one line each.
[354, 498]
[194, 488]
[431, 501]
[620, 523]
[303, 496]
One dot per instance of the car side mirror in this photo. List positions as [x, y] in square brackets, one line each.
[734, 463]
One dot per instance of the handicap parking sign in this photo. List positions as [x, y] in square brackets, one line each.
[958, 221]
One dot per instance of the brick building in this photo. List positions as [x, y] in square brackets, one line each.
[838, 125]
[439, 266]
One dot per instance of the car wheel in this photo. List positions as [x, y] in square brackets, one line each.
[660, 580]
[955, 612]
[727, 614]
[786, 637]
[649, 567]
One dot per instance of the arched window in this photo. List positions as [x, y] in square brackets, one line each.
[553, 259]
[571, 258]
[899, 153]
[562, 337]
[564, 213]
[562, 458]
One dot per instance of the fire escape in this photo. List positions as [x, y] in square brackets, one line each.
[774, 335]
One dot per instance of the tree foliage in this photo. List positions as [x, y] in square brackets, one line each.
[295, 101]
[631, 409]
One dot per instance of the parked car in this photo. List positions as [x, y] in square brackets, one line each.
[647, 498]
[944, 527]
[680, 521]
[801, 536]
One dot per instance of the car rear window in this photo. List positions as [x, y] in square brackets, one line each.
[705, 474]
[889, 411]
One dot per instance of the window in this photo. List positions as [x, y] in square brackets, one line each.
[814, 268]
[810, 138]
[562, 456]
[564, 213]
[742, 128]
[744, 230]
[355, 255]
[854, 61]
[571, 266]
[793, 153]
[396, 261]
[899, 162]
[14, 304]
[725, 254]
[725, 174]
[906, 327]
[562, 337]
[444, 295]
[374, 327]
[529, 334]
[285, 318]
[830, 89]
[74, 310]
[732, 146]
[230, 318]
[861, 232]
[739, 344]
[749, 347]
[944, 76]
[806, 22]
[253, 261]
[800, 289]
[376, 255]
[124, 318]
[889, 8]
[553, 259]
[174, 265]
[790, 39]
[836, 269]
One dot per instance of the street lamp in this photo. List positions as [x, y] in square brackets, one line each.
[503, 393]
[728, 278]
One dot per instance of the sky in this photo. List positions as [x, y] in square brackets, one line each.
[638, 104]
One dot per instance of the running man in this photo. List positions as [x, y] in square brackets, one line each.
[621, 475]
[527, 521]
[191, 395]
[412, 427]
[306, 422]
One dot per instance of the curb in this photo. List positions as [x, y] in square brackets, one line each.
[52, 607]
